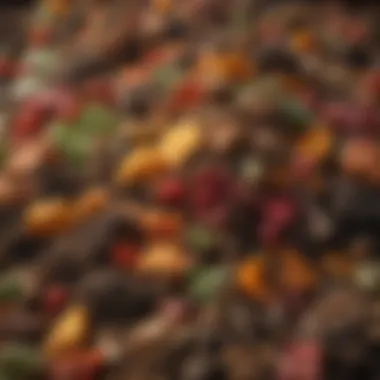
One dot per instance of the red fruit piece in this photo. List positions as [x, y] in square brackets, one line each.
[302, 360]
[81, 366]
[54, 299]
[217, 217]
[125, 255]
[355, 31]
[175, 309]
[99, 90]
[204, 198]
[294, 303]
[242, 193]
[69, 110]
[28, 122]
[277, 214]
[269, 234]
[310, 100]
[64, 104]
[334, 114]
[154, 57]
[170, 191]
[40, 37]
[21, 69]
[210, 187]
[270, 32]
[302, 166]
[188, 95]
[211, 174]
[372, 82]
[7, 68]
[280, 211]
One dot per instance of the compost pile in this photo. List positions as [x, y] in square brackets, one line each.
[189, 190]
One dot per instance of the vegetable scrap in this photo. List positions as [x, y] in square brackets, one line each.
[189, 190]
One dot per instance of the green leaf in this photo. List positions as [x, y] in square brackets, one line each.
[19, 362]
[206, 283]
[58, 132]
[167, 75]
[96, 119]
[199, 238]
[78, 148]
[42, 60]
[10, 289]
[299, 115]
[72, 141]
[266, 88]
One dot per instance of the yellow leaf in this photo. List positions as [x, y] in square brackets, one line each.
[48, 217]
[180, 142]
[250, 278]
[162, 5]
[163, 259]
[315, 143]
[68, 332]
[158, 223]
[296, 273]
[89, 203]
[338, 265]
[141, 165]
[301, 41]
[58, 6]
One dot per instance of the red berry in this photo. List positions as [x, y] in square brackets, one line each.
[187, 95]
[373, 82]
[302, 360]
[65, 104]
[125, 255]
[55, 299]
[277, 214]
[28, 122]
[216, 217]
[334, 113]
[210, 187]
[154, 57]
[7, 68]
[100, 91]
[302, 166]
[204, 198]
[269, 234]
[170, 191]
[279, 211]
